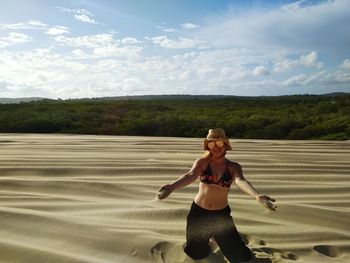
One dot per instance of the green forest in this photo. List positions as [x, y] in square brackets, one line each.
[320, 117]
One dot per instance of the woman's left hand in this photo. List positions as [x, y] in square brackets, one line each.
[164, 191]
[267, 202]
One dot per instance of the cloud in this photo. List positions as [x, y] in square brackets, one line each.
[48, 74]
[116, 51]
[108, 68]
[93, 41]
[44, 73]
[189, 26]
[261, 71]
[345, 65]
[186, 26]
[81, 15]
[321, 26]
[38, 72]
[296, 6]
[57, 30]
[3, 86]
[336, 80]
[165, 28]
[85, 18]
[169, 30]
[31, 24]
[285, 65]
[342, 77]
[180, 43]
[13, 39]
[83, 12]
[102, 45]
[295, 80]
[308, 60]
[129, 41]
[36, 25]
[79, 53]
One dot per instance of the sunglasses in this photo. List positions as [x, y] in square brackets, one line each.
[212, 144]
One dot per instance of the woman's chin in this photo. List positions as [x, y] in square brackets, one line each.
[217, 155]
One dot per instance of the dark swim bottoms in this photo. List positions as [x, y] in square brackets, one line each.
[203, 224]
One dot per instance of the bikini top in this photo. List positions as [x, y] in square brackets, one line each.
[208, 177]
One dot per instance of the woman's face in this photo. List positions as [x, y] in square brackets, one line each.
[217, 148]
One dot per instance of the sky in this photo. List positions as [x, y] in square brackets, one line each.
[98, 48]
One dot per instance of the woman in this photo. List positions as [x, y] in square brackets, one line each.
[209, 216]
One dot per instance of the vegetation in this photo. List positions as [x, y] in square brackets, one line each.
[285, 117]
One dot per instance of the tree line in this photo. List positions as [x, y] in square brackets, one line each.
[285, 117]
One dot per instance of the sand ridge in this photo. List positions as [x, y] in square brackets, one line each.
[75, 198]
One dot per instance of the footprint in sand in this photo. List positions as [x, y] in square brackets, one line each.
[159, 250]
[215, 248]
[251, 241]
[167, 252]
[267, 254]
[272, 253]
[329, 251]
[290, 256]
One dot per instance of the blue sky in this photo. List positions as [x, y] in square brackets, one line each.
[74, 49]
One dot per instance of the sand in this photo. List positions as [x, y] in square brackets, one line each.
[73, 198]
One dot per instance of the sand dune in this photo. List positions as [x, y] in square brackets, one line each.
[72, 198]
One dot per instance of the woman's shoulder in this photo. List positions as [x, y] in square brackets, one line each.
[200, 164]
[232, 164]
[235, 169]
[203, 160]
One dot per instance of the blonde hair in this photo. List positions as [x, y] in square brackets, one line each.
[207, 154]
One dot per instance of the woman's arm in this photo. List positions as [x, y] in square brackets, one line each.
[184, 180]
[247, 188]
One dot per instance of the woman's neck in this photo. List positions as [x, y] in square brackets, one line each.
[218, 160]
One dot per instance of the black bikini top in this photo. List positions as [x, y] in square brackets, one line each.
[208, 178]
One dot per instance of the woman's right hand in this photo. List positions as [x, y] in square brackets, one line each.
[267, 202]
[164, 191]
